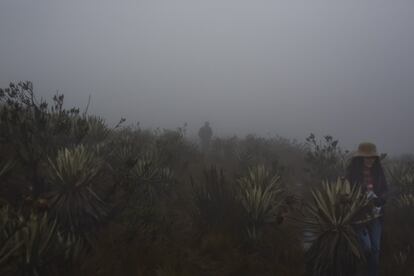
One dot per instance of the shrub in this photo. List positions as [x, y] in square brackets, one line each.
[332, 217]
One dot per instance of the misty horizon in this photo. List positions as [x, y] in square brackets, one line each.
[287, 68]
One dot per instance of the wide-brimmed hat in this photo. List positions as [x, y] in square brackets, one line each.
[366, 149]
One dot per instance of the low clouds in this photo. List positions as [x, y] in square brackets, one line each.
[278, 67]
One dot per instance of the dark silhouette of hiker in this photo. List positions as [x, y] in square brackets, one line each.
[205, 133]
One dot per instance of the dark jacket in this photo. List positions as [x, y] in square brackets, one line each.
[380, 186]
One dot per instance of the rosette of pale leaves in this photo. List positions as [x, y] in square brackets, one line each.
[214, 200]
[39, 244]
[9, 223]
[124, 150]
[405, 201]
[72, 200]
[9, 226]
[262, 197]
[332, 218]
[147, 171]
[97, 130]
[149, 177]
[148, 183]
[401, 225]
[27, 245]
[402, 174]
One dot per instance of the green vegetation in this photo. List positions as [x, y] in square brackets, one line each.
[80, 198]
[336, 210]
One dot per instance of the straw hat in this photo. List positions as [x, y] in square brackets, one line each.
[366, 149]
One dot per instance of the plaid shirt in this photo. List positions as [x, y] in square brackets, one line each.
[368, 180]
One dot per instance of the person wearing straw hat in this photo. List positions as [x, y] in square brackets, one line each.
[365, 169]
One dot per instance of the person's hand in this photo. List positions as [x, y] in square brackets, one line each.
[378, 202]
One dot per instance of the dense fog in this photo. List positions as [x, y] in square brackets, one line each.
[285, 68]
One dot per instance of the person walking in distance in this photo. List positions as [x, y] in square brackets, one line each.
[365, 170]
[205, 133]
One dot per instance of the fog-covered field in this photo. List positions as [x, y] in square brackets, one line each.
[205, 138]
[79, 197]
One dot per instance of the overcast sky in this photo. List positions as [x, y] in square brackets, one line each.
[344, 68]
